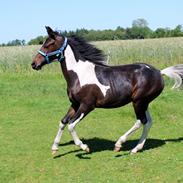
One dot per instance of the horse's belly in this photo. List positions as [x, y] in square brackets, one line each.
[113, 102]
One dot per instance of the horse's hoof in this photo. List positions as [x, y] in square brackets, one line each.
[87, 150]
[117, 149]
[133, 152]
[54, 152]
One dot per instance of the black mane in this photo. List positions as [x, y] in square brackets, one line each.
[85, 51]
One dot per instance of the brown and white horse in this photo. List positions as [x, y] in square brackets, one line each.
[93, 84]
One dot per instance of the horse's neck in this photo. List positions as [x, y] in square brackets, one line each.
[70, 58]
[69, 66]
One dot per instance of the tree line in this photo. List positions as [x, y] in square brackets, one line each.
[138, 30]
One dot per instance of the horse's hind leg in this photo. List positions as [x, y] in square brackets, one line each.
[62, 125]
[143, 117]
[145, 132]
[124, 137]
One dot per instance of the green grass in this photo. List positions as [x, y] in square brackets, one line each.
[32, 103]
[158, 52]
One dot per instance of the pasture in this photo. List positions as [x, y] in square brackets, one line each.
[32, 103]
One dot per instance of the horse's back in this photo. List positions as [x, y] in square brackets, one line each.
[129, 83]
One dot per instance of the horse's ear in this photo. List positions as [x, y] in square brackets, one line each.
[50, 32]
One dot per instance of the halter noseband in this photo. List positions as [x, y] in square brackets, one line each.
[58, 53]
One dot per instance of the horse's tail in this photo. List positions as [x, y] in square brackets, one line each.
[176, 73]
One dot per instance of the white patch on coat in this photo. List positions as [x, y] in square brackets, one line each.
[147, 66]
[84, 70]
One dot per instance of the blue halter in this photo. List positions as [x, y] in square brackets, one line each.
[58, 53]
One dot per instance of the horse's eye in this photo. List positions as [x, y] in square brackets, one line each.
[49, 44]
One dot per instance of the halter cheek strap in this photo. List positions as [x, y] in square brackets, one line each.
[44, 55]
[58, 53]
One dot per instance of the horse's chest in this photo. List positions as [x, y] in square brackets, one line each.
[87, 76]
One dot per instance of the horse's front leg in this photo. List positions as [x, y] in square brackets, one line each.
[62, 125]
[83, 110]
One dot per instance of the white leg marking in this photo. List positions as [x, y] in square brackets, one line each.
[71, 128]
[132, 130]
[72, 125]
[144, 135]
[58, 137]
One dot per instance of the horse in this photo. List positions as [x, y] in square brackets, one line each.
[91, 83]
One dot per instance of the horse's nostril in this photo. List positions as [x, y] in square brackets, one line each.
[36, 66]
[33, 65]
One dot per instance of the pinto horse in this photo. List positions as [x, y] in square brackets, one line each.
[91, 83]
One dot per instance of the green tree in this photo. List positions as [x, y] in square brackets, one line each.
[119, 33]
[16, 42]
[37, 40]
[139, 30]
[140, 22]
[160, 32]
[177, 31]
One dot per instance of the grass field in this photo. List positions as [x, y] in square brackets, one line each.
[32, 103]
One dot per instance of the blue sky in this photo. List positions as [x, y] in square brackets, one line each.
[21, 19]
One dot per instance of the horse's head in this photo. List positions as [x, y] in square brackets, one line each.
[52, 49]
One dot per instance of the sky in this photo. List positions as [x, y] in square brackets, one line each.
[21, 19]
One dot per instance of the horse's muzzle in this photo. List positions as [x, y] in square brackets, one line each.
[35, 66]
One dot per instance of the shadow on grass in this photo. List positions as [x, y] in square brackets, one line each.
[99, 144]
[60, 155]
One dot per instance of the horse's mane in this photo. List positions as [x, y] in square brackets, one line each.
[85, 51]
